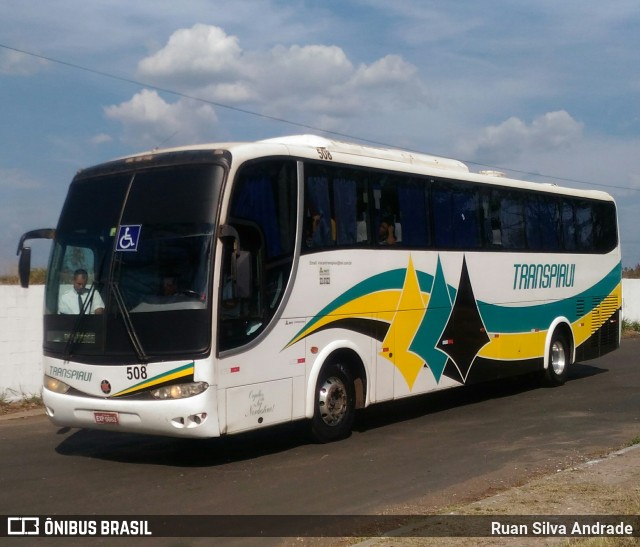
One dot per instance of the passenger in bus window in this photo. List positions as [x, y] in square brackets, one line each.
[386, 232]
[75, 299]
[169, 286]
[320, 231]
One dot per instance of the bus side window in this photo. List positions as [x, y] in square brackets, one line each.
[511, 215]
[442, 217]
[605, 222]
[456, 212]
[335, 206]
[466, 217]
[490, 208]
[584, 226]
[413, 201]
[319, 224]
[362, 228]
[346, 210]
[549, 222]
[384, 211]
[263, 212]
[568, 226]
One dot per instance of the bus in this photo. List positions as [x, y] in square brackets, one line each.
[217, 289]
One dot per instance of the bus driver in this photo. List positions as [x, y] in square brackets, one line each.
[72, 301]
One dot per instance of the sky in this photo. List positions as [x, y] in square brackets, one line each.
[544, 91]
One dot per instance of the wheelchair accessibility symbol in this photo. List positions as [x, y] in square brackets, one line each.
[128, 237]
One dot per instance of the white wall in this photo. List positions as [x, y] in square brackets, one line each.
[631, 299]
[21, 335]
[20, 340]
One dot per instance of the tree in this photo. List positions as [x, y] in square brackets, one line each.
[631, 273]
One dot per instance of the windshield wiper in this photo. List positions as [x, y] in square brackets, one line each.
[126, 318]
[74, 335]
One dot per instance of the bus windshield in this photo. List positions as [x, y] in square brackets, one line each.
[130, 271]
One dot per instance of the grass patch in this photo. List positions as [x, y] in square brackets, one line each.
[634, 441]
[12, 401]
[36, 277]
[630, 328]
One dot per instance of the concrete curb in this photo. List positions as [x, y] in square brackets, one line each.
[22, 414]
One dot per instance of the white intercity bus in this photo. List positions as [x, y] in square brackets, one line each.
[211, 290]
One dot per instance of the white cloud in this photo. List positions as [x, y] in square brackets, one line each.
[312, 67]
[15, 63]
[390, 70]
[101, 138]
[299, 82]
[149, 121]
[194, 57]
[512, 138]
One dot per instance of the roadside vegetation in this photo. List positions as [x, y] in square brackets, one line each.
[630, 328]
[11, 401]
[633, 442]
[631, 273]
[38, 276]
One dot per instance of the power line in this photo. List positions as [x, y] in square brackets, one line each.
[168, 91]
[181, 94]
[563, 179]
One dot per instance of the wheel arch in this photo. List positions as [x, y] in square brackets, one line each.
[350, 355]
[563, 326]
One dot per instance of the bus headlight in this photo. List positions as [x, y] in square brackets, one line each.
[179, 391]
[55, 385]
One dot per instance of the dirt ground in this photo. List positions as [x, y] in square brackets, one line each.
[17, 407]
[606, 486]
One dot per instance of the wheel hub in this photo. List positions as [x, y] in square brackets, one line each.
[332, 401]
[558, 358]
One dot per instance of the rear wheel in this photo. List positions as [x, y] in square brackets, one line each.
[334, 408]
[556, 372]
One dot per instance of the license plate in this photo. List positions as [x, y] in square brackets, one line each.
[107, 418]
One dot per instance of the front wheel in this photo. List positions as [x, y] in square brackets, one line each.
[334, 408]
[556, 372]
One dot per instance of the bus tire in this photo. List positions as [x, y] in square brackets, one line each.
[556, 372]
[334, 404]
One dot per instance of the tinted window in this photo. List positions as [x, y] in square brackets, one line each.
[335, 207]
[605, 227]
[263, 212]
[508, 209]
[413, 204]
[568, 226]
[543, 223]
[456, 214]
[350, 206]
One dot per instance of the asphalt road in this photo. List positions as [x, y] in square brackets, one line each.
[422, 453]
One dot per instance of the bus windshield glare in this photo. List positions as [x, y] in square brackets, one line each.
[130, 270]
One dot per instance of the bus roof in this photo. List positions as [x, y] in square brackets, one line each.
[309, 146]
[367, 151]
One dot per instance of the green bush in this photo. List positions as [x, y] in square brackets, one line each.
[38, 277]
[630, 326]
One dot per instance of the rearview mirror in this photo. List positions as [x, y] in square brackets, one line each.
[24, 266]
[24, 262]
[240, 266]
